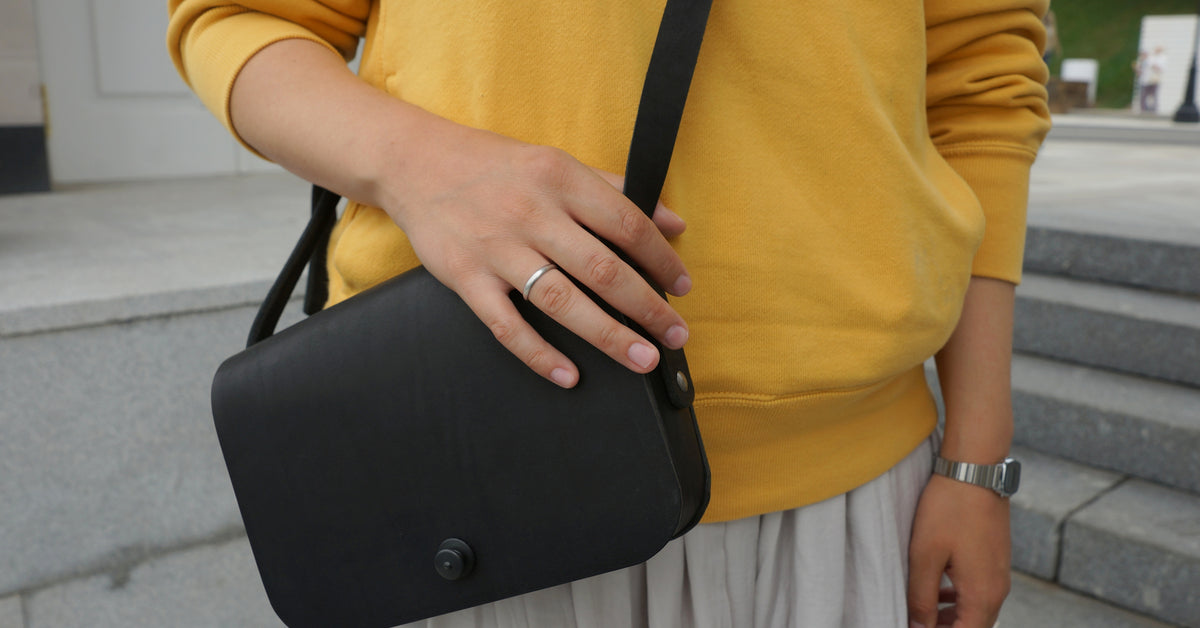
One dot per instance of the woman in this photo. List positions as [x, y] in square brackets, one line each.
[853, 183]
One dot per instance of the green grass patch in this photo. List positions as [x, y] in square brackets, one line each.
[1108, 31]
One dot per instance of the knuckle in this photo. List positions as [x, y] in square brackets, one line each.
[556, 298]
[603, 271]
[656, 311]
[508, 334]
[504, 331]
[921, 608]
[609, 337]
[536, 359]
[632, 227]
[670, 267]
[547, 164]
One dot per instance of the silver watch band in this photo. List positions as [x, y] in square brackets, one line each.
[1003, 478]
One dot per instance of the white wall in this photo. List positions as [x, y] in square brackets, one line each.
[1175, 33]
[117, 109]
[20, 97]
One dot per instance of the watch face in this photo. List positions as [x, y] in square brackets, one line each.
[1012, 476]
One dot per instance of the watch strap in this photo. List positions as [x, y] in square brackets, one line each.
[1003, 478]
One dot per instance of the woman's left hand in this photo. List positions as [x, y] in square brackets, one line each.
[961, 531]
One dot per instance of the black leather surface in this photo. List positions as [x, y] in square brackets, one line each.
[362, 438]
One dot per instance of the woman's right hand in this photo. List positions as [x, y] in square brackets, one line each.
[482, 211]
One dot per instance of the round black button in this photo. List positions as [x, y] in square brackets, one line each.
[454, 559]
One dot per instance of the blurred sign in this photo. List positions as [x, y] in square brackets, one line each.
[1165, 48]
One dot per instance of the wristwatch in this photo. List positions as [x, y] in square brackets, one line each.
[1003, 478]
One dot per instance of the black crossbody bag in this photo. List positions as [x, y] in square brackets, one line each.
[392, 461]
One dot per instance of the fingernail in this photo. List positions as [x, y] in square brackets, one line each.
[676, 337]
[642, 354]
[913, 624]
[682, 286]
[562, 377]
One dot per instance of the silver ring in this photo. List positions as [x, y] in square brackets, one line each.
[537, 274]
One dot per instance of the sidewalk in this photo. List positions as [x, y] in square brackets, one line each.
[100, 242]
[1142, 189]
[1122, 126]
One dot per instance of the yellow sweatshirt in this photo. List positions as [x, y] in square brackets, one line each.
[843, 167]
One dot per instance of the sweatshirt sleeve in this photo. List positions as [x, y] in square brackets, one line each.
[987, 111]
[211, 40]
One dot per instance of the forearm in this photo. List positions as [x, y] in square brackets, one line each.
[298, 104]
[974, 369]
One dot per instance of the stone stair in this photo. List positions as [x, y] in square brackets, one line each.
[117, 303]
[1107, 406]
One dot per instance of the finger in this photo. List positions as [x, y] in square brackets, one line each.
[616, 219]
[494, 308]
[980, 611]
[556, 295]
[947, 615]
[924, 577]
[668, 222]
[619, 285]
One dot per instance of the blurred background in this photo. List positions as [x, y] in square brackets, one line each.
[136, 238]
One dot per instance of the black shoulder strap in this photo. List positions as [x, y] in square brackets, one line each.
[664, 93]
[663, 96]
[310, 249]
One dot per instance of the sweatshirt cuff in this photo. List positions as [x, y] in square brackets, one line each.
[219, 45]
[999, 177]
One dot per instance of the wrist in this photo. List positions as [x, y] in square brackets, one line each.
[978, 437]
[397, 151]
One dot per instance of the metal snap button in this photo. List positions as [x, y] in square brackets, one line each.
[454, 559]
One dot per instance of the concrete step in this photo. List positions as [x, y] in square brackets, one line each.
[1138, 546]
[1131, 425]
[1147, 333]
[213, 584]
[1052, 490]
[1034, 603]
[108, 452]
[1144, 192]
[1123, 541]
[1141, 262]
[117, 302]
[1099, 125]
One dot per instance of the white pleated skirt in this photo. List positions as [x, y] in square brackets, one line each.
[840, 563]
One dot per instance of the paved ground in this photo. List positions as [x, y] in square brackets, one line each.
[106, 241]
[1127, 188]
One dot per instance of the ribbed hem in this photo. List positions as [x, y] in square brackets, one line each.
[999, 177]
[768, 456]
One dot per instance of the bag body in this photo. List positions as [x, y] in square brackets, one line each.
[393, 429]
